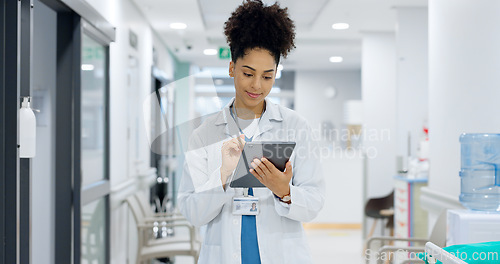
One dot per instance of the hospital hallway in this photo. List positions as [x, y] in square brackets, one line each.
[186, 131]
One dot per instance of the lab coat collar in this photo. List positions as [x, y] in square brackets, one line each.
[272, 113]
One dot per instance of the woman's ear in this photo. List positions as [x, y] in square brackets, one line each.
[231, 69]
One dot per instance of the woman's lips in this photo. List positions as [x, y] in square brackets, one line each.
[253, 95]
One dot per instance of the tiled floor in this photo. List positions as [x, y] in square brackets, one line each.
[328, 246]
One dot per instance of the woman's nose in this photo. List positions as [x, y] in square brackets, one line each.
[256, 84]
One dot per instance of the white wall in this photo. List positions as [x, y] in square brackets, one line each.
[129, 155]
[412, 76]
[379, 103]
[342, 169]
[343, 172]
[310, 99]
[464, 58]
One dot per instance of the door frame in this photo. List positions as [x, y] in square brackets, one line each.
[9, 157]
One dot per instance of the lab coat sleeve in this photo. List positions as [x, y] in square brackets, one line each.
[307, 187]
[201, 195]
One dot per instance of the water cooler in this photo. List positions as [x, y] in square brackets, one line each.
[480, 192]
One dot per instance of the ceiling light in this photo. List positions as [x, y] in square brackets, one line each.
[340, 26]
[87, 67]
[280, 67]
[210, 51]
[178, 26]
[336, 59]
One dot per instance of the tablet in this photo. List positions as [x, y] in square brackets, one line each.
[277, 152]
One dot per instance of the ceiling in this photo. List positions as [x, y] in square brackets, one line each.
[316, 41]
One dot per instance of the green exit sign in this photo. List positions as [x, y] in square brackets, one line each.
[224, 53]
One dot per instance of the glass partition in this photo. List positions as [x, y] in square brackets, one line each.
[94, 235]
[94, 71]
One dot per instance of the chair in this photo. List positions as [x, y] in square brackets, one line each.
[151, 216]
[437, 236]
[159, 219]
[149, 248]
[381, 208]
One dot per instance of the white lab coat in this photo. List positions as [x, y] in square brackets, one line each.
[203, 201]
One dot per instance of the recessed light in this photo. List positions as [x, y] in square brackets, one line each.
[87, 67]
[178, 26]
[336, 59]
[340, 26]
[210, 52]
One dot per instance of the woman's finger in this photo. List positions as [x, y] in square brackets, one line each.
[234, 146]
[272, 169]
[263, 167]
[240, 140]
[258, 170]
[254, 173]
[231, 145]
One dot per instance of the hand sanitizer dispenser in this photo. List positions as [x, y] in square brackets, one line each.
[27, 130]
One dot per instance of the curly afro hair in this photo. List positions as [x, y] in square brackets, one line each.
[253, 25]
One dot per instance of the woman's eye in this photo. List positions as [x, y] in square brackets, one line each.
[267, 77]
[246, 74]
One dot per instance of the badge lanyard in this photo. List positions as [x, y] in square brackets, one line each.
[238, 124]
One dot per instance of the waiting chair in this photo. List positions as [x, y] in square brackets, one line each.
[149, 248]
[380, 209]
[159, 219]
[151, 216]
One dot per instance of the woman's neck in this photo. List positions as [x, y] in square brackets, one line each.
[245, 112]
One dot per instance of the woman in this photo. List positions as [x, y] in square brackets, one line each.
[258, 36]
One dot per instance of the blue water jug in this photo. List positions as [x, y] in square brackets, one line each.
[480, 171]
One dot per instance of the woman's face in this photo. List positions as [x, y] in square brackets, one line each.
[254, 76]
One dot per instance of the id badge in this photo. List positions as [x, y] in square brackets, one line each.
[246, 205]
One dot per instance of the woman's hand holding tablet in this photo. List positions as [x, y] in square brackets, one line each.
[274, 179]
[264, 164]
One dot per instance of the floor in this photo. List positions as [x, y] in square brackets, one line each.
[336, 246]
[327, 246]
